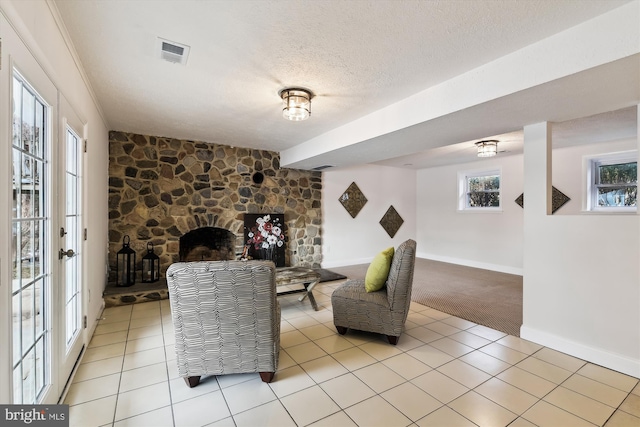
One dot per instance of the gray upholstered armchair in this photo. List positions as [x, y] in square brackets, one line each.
[383, 311]
[226, 318]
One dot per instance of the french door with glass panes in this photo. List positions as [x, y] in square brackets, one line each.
[46, 292]
[31, 227]
[70, 238]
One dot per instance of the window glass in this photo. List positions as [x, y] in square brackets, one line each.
[479, 190]
[612, 184]
[29, 228]
[483, 191]
[617, 185]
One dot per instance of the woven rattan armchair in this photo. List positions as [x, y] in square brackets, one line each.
[383, 311]
[226, 318]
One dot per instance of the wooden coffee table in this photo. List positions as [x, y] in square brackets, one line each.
[306, 277]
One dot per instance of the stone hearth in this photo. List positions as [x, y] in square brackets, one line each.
[204, 243]
[140, 292]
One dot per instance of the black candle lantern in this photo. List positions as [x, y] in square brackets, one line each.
[150, 265]
[126, 264]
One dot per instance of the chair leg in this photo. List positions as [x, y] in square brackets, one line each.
[192, 381]
[267, 376]
[341, 330]
[392, 340]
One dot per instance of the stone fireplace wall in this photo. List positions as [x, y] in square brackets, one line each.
[161, 188]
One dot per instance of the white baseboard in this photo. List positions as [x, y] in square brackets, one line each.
[346, 262]
[598, 356]
[470, 263]
[450, 260]
[95, 324]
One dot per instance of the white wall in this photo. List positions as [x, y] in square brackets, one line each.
[484, 240]
[581, 277]
[42, 38]
[350, 241]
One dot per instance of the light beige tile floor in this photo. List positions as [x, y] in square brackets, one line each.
[445, 371]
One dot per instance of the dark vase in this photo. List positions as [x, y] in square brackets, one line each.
[269, 254]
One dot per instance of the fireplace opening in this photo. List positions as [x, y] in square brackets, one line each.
[207, 244]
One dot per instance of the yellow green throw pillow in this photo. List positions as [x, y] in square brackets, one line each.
[378, 271]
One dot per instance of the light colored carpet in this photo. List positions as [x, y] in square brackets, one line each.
[481, 296]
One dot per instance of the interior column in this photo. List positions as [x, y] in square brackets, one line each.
[537, 205]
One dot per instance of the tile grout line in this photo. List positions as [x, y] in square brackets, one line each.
[173, 415]
[115, 407]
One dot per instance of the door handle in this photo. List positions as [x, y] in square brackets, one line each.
[64, 253]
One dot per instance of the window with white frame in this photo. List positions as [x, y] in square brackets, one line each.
[479, 190]
[612, 182]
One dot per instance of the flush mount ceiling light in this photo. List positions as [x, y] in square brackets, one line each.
[297, 103]
[488, 148]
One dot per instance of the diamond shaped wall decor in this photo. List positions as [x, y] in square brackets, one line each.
[520, 200]
[558, 199]
[391, 221]
[353, 200]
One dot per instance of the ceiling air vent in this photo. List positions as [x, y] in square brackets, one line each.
[319, 168]
[173, 52]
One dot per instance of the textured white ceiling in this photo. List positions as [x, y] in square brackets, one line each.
[356, 56]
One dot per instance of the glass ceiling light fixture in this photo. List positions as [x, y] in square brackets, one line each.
[297, 103]
[488, 148]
